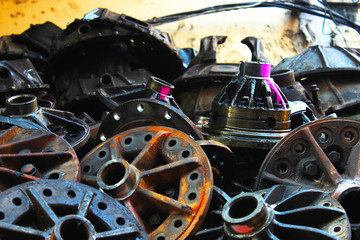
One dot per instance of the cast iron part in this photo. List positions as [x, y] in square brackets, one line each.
[33, 154]
[34, 43]
[334, 70]
[160, 174]
[144, 112]
[319, 60]
[324, 155]
[102, 49]
[54, 210]
[284, 212]
[155, 88]
[19, 75]
[23, 111]
[222, 160]
[256, 46]
[294, 91]
[197, 87]
[250, 111]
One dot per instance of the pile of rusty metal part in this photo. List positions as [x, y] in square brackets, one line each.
[108, 131]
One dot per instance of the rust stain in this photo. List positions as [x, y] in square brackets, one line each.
[17, 2]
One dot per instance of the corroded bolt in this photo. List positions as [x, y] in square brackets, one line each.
[311, 169]
[334, 156]
[29, 169]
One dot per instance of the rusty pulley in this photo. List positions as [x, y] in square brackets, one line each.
[160, 174]
[55, 210]
[33, 154]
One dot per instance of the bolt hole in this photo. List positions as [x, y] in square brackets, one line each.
[47, 192]
[54, 176]
[323, 137]
[185, 154]
[106, 79]
[192, 196]
[102, 206]
[349, 136]
[4, 73]
[102, 154]
[140, 107]
[194, 176]
[167, 115]
[84, 29]
[147, 138]
[120, 221]
[326, 204]
[2, 215]
[337, 229]
[17, 201]
[71, 194]
[128, 140]
[172, 143]
[299, 148]
[117, 116]
[178, 223]
[271, 122]
[161, 238]
[282, 168]
[86, 169]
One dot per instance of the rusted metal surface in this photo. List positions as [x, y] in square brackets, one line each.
[144, 112]
[285, 212]
[160, 174]
[250, 111]
[55, 210]
[23, 111]
[33, 154]
[324, 155]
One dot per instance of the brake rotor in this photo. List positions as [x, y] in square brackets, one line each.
[51, 209]
[324, 155]
[33, 154]
[161, 174]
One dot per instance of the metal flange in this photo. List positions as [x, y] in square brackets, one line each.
[144, 112]
[62, 210]
[160, 174]
[33, 154]
[324, 155]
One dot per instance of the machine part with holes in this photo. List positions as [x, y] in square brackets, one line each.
[34, 154]
[284, 212]
[294, 91]
[334, 70]
[324, 155]
[155, 88]
[100, 49]
[160, 174]
[51, 209]
[222, 160]
[250, 111]
[196, 89]
[34, 43]
[23, 111]
[144, 112]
